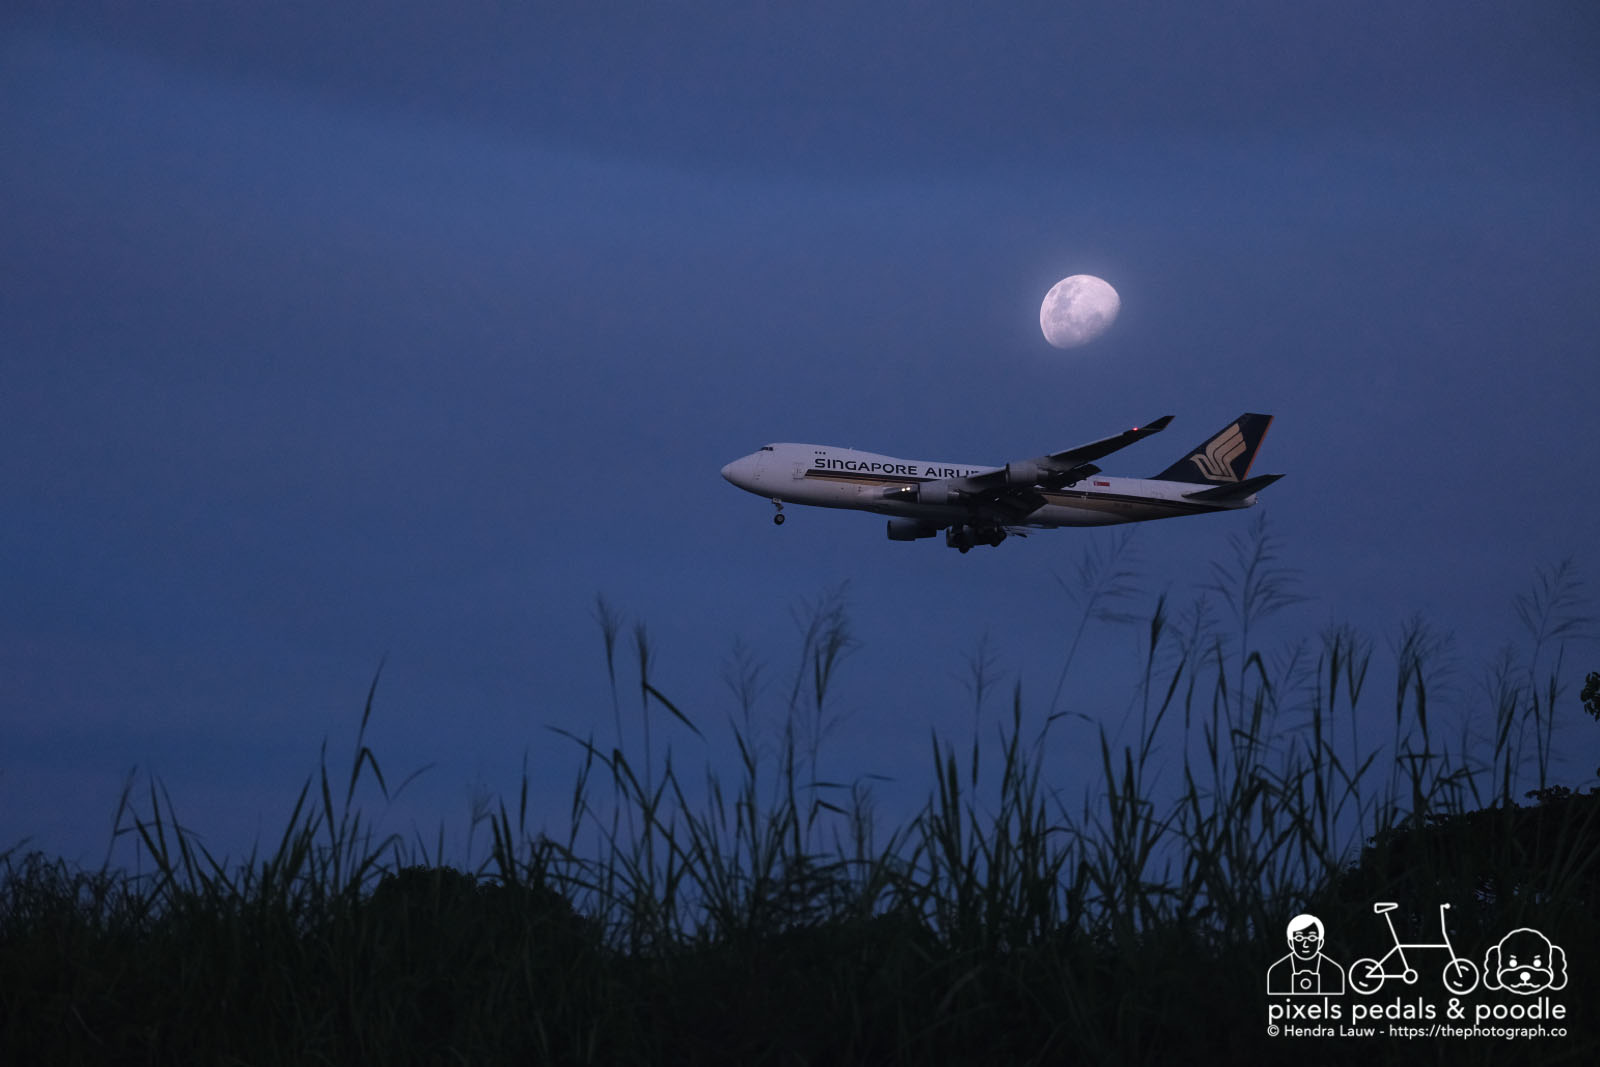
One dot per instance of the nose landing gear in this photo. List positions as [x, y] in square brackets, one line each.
[777, 520]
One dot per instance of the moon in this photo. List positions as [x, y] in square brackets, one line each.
[1078, 309]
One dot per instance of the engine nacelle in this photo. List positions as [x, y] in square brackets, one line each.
[910, 529]
[1026, 473]
[1030, 473]
[924, 493]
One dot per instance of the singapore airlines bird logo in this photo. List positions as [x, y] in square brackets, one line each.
[1216, 462]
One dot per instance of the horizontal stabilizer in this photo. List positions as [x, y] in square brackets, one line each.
[1234, 490]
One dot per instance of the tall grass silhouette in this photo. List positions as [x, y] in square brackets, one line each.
[764, 913]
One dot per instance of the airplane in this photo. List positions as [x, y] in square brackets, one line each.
[977, 505]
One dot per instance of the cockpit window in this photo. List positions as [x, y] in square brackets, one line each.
[766, 448]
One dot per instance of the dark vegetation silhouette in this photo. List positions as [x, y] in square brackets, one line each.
[770, 918]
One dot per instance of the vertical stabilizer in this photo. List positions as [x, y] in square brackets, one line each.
[1226, 457]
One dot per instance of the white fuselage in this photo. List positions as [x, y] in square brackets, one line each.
[824, 476]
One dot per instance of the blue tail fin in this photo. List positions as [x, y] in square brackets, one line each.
[1224, 459]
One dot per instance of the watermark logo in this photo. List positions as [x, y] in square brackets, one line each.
[1368, 975]
[1525, 963]
[1311, 996]
[1305, 971]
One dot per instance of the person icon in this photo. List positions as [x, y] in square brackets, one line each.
[1305, 971]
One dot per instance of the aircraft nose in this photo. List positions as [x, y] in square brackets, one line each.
[744, 472]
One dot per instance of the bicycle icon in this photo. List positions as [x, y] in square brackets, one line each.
[1368, 975]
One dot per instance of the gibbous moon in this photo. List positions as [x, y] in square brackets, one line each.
[1078, 309]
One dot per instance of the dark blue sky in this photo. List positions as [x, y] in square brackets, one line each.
[408, 329]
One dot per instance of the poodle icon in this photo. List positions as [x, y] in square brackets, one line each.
[1525, 963]
[1368, 975]
[1305, 971]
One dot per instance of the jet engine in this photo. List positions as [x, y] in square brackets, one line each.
[924, 493]
[910, 529]
[1026, 473]
[1031, 472]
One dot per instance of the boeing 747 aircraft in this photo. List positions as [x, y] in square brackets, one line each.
[982, 505]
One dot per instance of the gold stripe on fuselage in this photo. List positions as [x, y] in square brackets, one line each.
[1074, 498]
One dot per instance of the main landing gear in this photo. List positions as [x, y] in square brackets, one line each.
[777, 520]
[964, 537]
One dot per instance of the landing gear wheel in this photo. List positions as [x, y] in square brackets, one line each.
[777, 520]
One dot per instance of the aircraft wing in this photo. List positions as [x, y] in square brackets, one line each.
[1011, 493]
[1107, 445]
[1065, 467]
